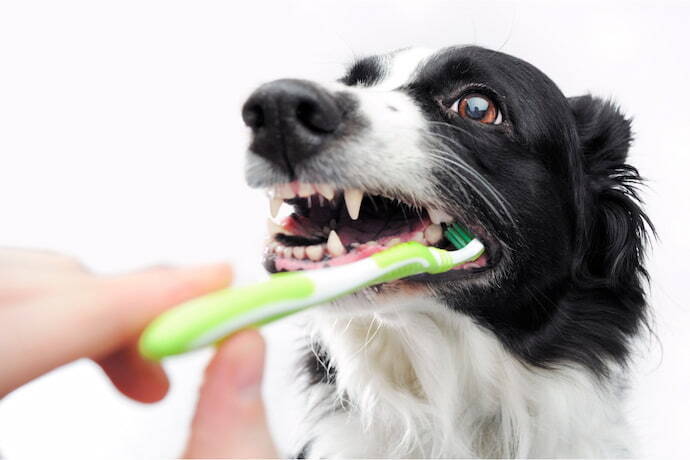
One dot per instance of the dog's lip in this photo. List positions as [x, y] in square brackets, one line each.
[494, 257]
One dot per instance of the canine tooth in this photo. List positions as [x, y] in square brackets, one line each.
[285, 191]
[287, 253]
[298, 252]
[279, 250]
[353, 201]
[437, 216]
[273, 228]
[326, 190]
[392, 242]
[334, 245]
[433, 233]
[275, 205]
[315, 253]
[305, 190]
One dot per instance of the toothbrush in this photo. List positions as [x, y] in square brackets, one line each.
[210, 318]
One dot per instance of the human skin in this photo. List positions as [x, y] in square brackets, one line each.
[54, 311]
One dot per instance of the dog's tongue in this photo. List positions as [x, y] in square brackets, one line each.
[370, 230]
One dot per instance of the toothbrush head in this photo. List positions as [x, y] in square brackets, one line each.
[458, 236]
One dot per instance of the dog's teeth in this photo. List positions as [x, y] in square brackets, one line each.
[353, 201]
[438, 217]
[279, 250]
[433, 233]
[273, 228]
[334, 245]
[419, 237]
[275, 206]
[326, 190]
[287, 253]
[298, 252]
[392, 242]
[284, 191]
[315, 253]
[305, 190]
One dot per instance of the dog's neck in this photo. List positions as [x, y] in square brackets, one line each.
[414, 378]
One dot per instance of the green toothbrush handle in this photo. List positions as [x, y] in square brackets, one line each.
[207, 319]
[195, 323]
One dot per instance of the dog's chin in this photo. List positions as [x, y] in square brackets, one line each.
[330, 227]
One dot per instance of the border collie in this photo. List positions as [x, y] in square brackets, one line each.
[522, 353]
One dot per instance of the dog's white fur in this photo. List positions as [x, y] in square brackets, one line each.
[415, 379]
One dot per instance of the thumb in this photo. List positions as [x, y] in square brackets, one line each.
[230, 419]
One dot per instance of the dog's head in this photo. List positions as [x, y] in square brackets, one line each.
[409, 141]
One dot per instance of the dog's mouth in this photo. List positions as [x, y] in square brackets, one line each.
[330, 227]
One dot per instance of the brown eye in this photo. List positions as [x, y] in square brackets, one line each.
[478, 108]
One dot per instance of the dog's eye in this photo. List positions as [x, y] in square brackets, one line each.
[479, 108]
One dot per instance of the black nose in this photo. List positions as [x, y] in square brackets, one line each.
[291, 120]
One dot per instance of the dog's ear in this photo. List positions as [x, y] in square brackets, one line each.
[615, 227]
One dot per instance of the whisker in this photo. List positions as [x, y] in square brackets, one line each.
[496, 195]
[373, 336]
[449, 157]
[443, 162]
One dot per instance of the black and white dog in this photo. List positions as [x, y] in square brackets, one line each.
[521, 353]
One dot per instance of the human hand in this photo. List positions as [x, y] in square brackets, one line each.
[53, 311]
[230, 420]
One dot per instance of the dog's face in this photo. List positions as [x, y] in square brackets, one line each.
[422, 139]
[407, 142]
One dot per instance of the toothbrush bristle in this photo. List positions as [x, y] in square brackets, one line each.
[457, 235]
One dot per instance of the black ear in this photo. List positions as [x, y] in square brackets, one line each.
[615, 227]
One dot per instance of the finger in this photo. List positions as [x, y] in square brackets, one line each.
[37, 259]
[94, 318]
[134, 376]
[230, 420]
[132, 301]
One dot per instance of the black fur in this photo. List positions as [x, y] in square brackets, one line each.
[364, 72]
[572, 289]
[569, 246]
[566, 244]
[317, 366]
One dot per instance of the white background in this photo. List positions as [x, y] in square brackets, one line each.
[121, 143]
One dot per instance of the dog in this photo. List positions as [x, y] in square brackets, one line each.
[521, 353]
